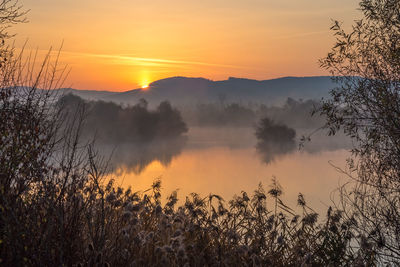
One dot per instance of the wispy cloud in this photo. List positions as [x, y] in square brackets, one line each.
[141, 61]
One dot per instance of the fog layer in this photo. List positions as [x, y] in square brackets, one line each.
[136, 135]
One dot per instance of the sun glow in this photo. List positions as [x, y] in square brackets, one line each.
[145, 86]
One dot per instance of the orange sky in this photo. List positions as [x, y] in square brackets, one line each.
[124, 44]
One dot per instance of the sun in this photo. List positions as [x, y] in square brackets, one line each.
[145, 86]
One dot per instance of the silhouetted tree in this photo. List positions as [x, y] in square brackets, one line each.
[366, 106]
[170, 122]
[114, 124]
[274, 139]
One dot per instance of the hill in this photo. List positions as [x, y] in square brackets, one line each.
[187, 91]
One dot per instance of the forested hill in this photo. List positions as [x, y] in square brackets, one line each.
[187, 91]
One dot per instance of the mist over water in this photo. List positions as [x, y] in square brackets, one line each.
[225, 161]
[136, 157]
[220, 148]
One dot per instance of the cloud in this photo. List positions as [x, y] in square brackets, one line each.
[141, 61]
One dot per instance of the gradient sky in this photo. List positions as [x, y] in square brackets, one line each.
[124, 44]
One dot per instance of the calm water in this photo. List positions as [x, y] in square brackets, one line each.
[225, 162]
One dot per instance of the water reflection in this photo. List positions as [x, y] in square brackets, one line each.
[225, 171]
[135, 157]
[271, 151]
[225, 161]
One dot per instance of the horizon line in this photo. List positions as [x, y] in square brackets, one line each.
[197, 77]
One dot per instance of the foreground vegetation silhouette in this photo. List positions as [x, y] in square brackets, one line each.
[366, 63]
[57, 208]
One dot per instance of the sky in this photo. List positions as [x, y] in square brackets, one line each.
[126, 44]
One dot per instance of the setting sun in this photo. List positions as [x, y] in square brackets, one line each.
[145, 86]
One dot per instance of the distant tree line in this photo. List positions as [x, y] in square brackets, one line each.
[112, 123]
[233, 114]
[294, 113]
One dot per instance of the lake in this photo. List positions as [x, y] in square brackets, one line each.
[224, 161]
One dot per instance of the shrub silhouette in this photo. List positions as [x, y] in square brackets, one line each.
[365, 106]
[274, 139]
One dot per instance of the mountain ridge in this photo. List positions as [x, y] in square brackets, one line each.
[180, 90]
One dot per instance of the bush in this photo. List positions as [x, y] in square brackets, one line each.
[366, 107]
[274, 139]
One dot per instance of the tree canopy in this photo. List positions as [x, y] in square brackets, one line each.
[366, 106]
